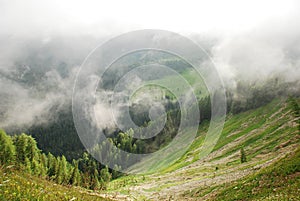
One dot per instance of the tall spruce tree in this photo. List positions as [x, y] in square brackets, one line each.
[75, 176]
[20, 143]
[7, 149]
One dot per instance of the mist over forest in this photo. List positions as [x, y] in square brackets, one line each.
[158, 100]
[38, 73]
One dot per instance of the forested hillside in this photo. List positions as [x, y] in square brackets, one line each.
[257, 126]
[149, 100]
[254, 144]
[21, 153]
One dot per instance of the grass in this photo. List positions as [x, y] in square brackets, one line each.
[269, 130]
[262, 132]
[180, 84]
[280, 181]
[16, 185]
[240, 124]
[246, 122]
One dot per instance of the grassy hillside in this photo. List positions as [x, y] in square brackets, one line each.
[16, 185]
[280, 181]
[269, 136]
[266, 134]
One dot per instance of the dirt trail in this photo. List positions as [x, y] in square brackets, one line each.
[171, 186]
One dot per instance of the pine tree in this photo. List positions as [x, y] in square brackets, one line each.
[83, 165]
[51, 165]
[27, 165]
[35, 167]
[20, 143]
[31, 148]
[94, 183]
[243, 155]
[105, 177]
[93, 175]
[64, 170]
[115, 173]
[75, 176]
[7, 149]
[27, 153]
[32, 154]
[43, 165]
[58, 174]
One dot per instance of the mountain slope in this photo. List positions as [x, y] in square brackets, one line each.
[17, 185]
[269, 136]
[280, 181]
[266, 134]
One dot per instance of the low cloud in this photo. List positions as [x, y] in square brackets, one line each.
[269, 50]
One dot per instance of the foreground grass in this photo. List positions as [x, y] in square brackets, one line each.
[15, 185]
[280, 181]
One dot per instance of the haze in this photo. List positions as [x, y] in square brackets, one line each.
[250, 40]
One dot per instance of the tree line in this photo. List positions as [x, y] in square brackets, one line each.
[21, 152]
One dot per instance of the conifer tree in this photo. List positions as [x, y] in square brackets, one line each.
[243, 155]
[35, 167]
[94, 183]
[105, 177]
[7, 149]
[64, 170]
[51, 165]
[58, 172]
[75, 176]
[43, 165]
[27, 165]
[20, 143]
[31, 148]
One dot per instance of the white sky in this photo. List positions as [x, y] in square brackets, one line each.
[110, 16]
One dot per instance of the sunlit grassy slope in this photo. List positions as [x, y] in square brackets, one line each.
[266, 134]
[16, 185]
[180, 84]
[280, 181]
